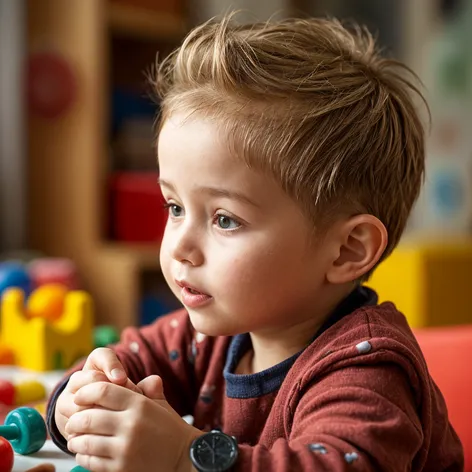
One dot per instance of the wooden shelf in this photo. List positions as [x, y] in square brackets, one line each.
[145, 24]
[144, 256]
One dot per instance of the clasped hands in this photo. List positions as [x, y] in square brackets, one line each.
[113, 425]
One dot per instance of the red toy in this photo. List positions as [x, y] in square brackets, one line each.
[138, 213]
[7, 393]
[54, 271]
[6, 456]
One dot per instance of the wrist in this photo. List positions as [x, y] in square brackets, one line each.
[185, 463]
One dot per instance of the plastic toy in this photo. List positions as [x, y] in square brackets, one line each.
[13, 274]
[105, 335]
[6, 356]
[7, 393]
[29, 391]
[6, 456]
[47, 302]
[25, 429]
[132, 194]
[40, 345]
[53, 271]
[79, 469]
[45, 467]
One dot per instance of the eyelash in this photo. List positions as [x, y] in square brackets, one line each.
[167, 206]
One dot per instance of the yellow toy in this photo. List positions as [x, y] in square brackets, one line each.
[47, 301]
[6, 355]
[29, 391]
[40, 345]
[429, 281]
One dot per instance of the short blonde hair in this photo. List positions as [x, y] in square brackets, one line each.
[312, 103]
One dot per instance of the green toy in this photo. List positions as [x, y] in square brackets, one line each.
[79, 469]
[25, 429]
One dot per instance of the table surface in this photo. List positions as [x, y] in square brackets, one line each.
[50, 454]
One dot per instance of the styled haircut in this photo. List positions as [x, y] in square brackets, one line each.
[311, 102]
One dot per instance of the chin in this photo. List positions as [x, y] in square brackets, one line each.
[209, 326]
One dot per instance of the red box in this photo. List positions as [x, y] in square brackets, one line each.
[137, 207]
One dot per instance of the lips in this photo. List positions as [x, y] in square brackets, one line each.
[191, 296]
[189, 287]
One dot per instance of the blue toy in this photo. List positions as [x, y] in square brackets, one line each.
[13, 274]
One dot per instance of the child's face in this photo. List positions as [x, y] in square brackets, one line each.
[236, 250]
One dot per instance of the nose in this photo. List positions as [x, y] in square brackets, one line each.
[186, 245]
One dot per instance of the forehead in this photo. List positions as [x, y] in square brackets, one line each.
[194, 153]
[197, 146]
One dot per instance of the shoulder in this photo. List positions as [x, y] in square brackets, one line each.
[375, 336]
[383, 326]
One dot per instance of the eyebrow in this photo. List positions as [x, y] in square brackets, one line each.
[215, 192]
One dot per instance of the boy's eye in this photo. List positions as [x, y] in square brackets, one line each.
[175, 210]
[225, 222]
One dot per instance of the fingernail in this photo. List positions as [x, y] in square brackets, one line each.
[117, 374]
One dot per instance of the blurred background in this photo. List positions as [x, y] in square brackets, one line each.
[78, 196]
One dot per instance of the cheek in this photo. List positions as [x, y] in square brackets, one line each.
[249, 277]
[165, 259]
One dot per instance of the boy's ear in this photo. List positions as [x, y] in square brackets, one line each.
[362, 241]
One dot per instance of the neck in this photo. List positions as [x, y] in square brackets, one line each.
[271, 347]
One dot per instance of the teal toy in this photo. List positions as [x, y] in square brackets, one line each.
[79, 469]
[25, 429]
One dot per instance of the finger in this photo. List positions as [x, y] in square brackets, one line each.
[152, 387]
[65, 405]
[133, 387]
[106, 395]
[95, 463]
[84, 377]
[92, 445]
[105, 360]
[93, 421]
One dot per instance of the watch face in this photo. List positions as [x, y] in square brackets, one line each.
[214, 452]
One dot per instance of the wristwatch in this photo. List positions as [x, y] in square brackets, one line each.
[214, 452]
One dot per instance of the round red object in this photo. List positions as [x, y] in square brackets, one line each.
[6, 456]
[7, 393]
[51, 84]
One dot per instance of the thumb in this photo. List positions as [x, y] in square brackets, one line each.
[152, 387]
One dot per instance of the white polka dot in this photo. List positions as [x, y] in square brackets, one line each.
[174, 323]
[351, 457]
[199, 337]
[134, 347]
[364, 347]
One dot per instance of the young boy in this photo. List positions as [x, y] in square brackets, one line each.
[290, 156]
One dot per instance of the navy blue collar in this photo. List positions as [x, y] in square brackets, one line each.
[269, 380]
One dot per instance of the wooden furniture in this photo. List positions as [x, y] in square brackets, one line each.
[68, 156]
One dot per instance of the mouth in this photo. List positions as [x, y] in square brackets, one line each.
[189, 288]
[191, 296]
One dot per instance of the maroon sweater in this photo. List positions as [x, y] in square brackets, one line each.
[358, 398]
